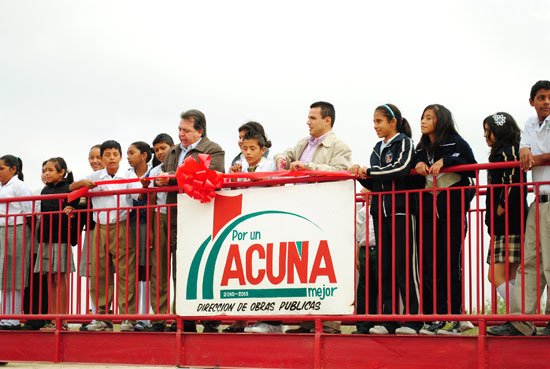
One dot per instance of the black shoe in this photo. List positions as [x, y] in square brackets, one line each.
[84, 327]
[360, 332]
[506, 329]
[28, 326]
[16, 327]
[299, 330]
[171, 328]
[544, 331]
[156, 327]
[188, 326]
[209, 329]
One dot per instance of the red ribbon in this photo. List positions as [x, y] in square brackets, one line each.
[197, 180]
[200, 183]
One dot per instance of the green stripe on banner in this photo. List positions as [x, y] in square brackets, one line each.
[272, 292]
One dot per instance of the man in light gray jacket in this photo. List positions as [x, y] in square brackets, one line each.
[322, 150]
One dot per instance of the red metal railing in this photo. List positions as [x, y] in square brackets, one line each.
[478, 301]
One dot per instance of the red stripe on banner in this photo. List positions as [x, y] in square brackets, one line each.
[225, 209]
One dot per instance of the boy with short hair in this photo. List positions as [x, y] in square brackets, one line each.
[534, 151]
[110, 239]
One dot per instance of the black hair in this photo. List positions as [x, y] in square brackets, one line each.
[505, 130]
[444, 127]
[391, 111]
[252, 134]
[60, 164]
[143, 147]
[540, 85]
[13, 161]
[163, 137]
[198, 119]
[252, 125]
[327, 110]
[110, 144]
[98, 146]
[258, 128]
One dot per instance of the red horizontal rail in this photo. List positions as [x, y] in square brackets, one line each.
[79, 302]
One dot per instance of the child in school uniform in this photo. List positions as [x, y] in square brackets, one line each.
[533, 153]
[442, 147]
[14, 253]
[54, 237]
[253, 147]
[504, 205]
[394, 217]
[35, 295]
[109, 224]
[158, 241]
[139, 155]
[87, 221]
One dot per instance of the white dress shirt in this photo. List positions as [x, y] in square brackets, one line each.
[537, 137]
[184, 150]
[112, 201]
[161, 196]
[14, 188]
[265, 165]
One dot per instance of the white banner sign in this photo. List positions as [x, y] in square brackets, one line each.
[270, 250]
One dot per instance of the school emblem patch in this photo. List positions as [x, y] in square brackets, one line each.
[389, 157]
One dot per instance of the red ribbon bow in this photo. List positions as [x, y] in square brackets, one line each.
[197, 180]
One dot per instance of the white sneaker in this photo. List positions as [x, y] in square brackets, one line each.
[99, 326]
[126, 326]
[406, 331]
[466, 326]
[378, 329]
[263, 328]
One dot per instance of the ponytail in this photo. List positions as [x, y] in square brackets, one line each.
[70, 177]
[391, 111]
[14, 161]
[60, 165]
[404, 127]
[20, 172]
[144, 147]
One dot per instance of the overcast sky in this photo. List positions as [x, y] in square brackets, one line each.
[75, 73]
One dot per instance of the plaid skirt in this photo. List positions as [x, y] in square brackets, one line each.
[14, 255]
[514, 249]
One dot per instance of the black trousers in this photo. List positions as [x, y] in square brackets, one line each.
[441, 269]
[37, 299]
[406, 256]
[362, 286]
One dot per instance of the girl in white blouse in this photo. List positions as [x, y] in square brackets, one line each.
[15, 239]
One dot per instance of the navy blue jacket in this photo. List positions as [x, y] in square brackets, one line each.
[454, 151]
[52, 219]
[515, 200]
[390, 170]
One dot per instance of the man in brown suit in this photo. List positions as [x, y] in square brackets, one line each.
[192, 135]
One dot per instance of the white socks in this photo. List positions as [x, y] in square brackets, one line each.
[12, 302]
[501, 289]
[142, 299]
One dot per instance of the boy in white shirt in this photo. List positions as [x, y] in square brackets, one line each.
[534, 152]
[111, 233]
